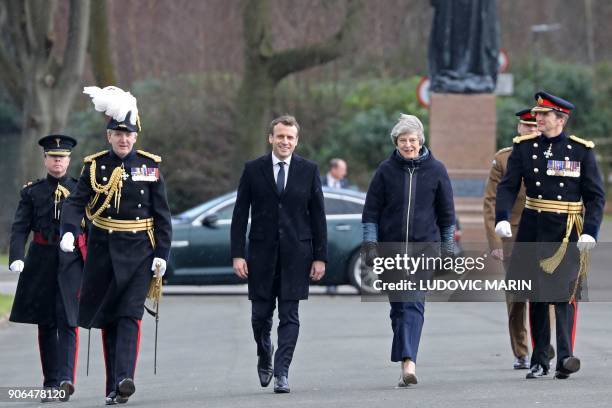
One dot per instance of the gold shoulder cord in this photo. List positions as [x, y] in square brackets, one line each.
[59, 192]
[112, 189]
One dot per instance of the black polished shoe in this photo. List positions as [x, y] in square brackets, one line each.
[125, 389]
[265, 369]
[66, 389]
[111, 398]
[537, 371]
[561, 375]
[551, 352]
[571, 365]
[49, 395]
[281, 385]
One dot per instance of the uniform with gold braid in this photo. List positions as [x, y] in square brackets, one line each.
[125, 201]
[124, 198]
[47, 291]
[565, 200]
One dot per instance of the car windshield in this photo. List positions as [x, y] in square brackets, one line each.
[195, 211]
[192, 213]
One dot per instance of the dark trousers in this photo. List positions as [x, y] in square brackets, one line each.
[262, 312]
[565, 316]
[407, 323]
[59, 346]
[120, 341]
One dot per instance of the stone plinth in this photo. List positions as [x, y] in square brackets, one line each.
[462, 131]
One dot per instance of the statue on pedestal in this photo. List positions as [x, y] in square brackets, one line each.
[463, 46]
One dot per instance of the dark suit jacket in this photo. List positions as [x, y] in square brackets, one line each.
[344, 183]
[291, 225]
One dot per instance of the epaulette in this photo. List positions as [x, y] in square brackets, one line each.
[504, 150]
[90, 158]
[587, 143]
[519, 139]
[154, 157]
[31, 183]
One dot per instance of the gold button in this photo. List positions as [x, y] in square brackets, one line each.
[133, 231]
[559, 197]
[535, 170]
[103, 167]
[538, 183]
[141, 191]
[139, 205]
[558, 211]
[104, 179]
[540, 196]
[569, 147]
[566, 158]
[561, 184]
[535, 145]
[108, 206]
[109, 217]
[534, 157]
[539, 211]
[110, 231]
[137, 218]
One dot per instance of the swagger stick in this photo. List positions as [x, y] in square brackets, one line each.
[156, 326]
[155, 293]
[88, 346]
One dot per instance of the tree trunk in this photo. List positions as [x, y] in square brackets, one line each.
[99, 48]
[265, 68]
[255, 98]
[44, 84]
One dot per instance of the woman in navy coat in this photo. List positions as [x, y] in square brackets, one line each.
[409, 200]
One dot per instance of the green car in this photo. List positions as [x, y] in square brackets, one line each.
[200, 253]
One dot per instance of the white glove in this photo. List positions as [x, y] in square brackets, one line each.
[67, 242]
[162, 266]
[502, 229]
[586, 242]
[16, 266]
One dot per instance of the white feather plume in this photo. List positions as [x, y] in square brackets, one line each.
[114, 102]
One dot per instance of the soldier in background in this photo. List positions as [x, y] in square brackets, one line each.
[501, 249]
[48, 288]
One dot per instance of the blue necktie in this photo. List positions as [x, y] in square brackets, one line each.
[280, 178]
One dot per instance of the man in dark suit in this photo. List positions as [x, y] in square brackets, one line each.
[336, 176]
[287, 244]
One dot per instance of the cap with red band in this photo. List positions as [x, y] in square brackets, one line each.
[547, 102]
[526, 116]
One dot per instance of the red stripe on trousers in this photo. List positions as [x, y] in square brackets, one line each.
[138, 322]
[530, 325]
[573, 303]
[105, 357]
[76, 355]
[40, 355]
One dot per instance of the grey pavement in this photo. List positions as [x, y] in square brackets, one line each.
[207, 359]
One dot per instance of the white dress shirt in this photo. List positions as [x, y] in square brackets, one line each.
[276, 167]
[333, 182]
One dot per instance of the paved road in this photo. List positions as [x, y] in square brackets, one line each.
[207, 358]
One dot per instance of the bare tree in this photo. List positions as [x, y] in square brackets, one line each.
[99, 45]
[264, 68]
[40, 83]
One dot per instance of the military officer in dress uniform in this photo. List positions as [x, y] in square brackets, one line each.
[564, 204]
[502, 248]
[48, 286]
[122, 193]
